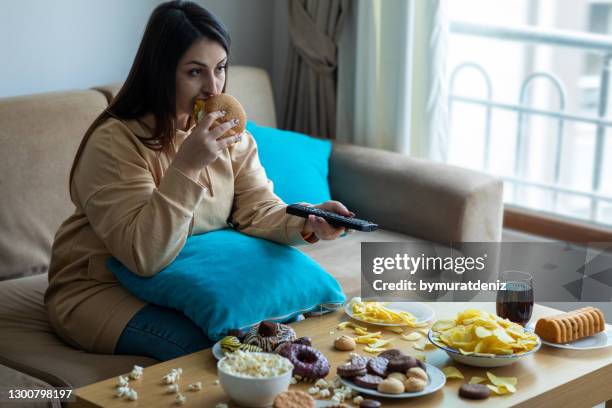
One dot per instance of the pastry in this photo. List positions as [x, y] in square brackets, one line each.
[222, 102]
[391, 386]
[414, 384]
[417, 372]
[474, 391]
[269, 335]
[571, 326]
[293, 399]
[308, 362]
[229, 344]
[344, 343]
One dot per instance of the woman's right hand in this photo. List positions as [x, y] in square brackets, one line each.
[201, 147]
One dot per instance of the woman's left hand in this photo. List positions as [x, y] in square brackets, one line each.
[321, 228]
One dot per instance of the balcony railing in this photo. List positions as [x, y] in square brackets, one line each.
[593, 43]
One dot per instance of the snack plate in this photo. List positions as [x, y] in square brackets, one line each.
[480, 360]
[436, 381]
[420, 311]
[217, 352]
[600, 340]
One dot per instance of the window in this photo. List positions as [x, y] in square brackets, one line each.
[526, 101]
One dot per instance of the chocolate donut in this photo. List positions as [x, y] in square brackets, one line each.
[308, 362]
[269, 335]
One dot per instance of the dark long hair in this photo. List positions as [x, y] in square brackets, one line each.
[151, 84]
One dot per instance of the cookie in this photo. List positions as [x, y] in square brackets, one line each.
[474, 391]
[359, 360]
[368, 403]
[350, 370]
[414, 384]
[401, 364]
[368, 381]
[293, 399]
[389, 354]
[391, 386]
[378, 366]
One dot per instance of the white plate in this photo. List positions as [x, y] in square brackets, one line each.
[420, 311]
[436, 381]
[600, 340]
[217, 352]
[482, 361]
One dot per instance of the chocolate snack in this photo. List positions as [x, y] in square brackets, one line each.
[378, 366]
[368, 403]
[350, 370]
[401, 364]
[474, 391]
[389, 354]
[368, 381]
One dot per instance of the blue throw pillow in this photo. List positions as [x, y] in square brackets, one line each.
[226, 280]
[297, 164]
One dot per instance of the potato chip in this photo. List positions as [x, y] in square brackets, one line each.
[451, 372]
[395, 329]
[380, 343]
[361, 330]
[442, 325]
[477, 380]
[419, 346]
[505, 381]
[483, 334]
[376, 312]
[424, 332]
[412, 336]
[373, 350]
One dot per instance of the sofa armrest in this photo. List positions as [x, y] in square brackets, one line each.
[421, 198]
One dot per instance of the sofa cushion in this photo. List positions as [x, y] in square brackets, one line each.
[43, 132]
[246, 281]
[297, 164]
[29, 345]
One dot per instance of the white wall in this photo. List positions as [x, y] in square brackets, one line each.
[66, 44]
[71, 44]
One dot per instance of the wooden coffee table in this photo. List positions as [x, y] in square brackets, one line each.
[549, 378]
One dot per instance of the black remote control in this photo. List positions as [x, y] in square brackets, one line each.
[331, 217]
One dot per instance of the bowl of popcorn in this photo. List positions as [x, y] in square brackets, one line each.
[483, 339]
[254, 379]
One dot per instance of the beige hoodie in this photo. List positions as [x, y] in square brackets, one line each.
[131, 203]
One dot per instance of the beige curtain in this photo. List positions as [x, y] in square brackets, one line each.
[310, 79]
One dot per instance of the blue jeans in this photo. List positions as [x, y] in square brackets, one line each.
[161, 333]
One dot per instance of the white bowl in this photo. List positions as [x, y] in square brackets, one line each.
[482, 361]
[252, 392]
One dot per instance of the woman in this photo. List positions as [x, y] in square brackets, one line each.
[145, 177]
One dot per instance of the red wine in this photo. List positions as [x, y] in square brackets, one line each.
[516, 302]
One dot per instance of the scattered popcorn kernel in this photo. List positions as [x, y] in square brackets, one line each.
[172, 389]
[180, 399]
[195, 386]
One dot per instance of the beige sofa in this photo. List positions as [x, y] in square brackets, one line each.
[39, 135]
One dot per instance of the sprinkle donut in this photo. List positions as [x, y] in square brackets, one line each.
[308, 362]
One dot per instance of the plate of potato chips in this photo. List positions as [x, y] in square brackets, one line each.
[483, 339]
[412, 314]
